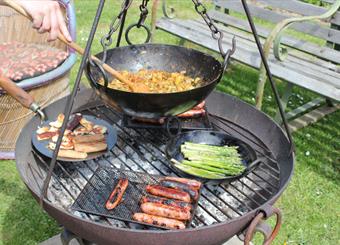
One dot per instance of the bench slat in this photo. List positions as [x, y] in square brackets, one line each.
[322, 52]
[250, 58]
[331, 35]
[301, 8]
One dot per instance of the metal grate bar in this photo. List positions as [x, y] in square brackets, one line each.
[235, 197]
[249, 188]
[270, 173]
[245, 195]
[258, 185]
[258, 175]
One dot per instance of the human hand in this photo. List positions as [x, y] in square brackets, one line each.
[47, 17]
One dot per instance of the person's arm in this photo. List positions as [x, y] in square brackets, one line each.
[47, 17]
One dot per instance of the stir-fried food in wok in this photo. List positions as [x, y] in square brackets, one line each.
[157, 81]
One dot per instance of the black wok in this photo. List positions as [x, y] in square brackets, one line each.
[156, 57]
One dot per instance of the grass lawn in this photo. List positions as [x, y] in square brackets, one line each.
[310, 204]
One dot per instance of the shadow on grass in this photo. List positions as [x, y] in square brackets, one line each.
[24, 222]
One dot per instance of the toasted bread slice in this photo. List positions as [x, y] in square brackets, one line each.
[87, 124]
[72, 154]
[91, 146]
[88, 138]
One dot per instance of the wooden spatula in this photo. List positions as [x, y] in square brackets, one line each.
[135, 87]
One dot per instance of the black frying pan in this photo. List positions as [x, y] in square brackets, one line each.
[248, 155]
[157, 57]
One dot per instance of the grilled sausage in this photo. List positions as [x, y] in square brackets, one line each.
[162, 191]
[196, 185]
[165, 211]
[117, 194]
[192, 113]
[169, 202]
[199, 106]
[181, 186]
[156, 220]
[74, 120]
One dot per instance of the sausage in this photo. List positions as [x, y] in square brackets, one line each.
[165, 211]
[162, 191]
[199, 106]
[192, 113]
[165, 201]
[74, 121]
[181, 186]
[147, 120]
[117, 194]
[194, 184]
[160, 221]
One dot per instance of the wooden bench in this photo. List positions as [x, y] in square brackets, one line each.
[305, 64]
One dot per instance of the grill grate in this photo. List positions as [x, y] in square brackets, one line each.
[143, 150]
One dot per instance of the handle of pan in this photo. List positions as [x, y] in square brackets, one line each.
[20, 95]
[93, 80]
[258, 224]
[252, 166]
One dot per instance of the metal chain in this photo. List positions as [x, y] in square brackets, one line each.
[116, 22]
[143, 13]
[140, 24]
[215, 32]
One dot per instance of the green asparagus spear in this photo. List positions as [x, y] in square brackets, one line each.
[199, 172]
[219, 150]
[190, 145]
[186, 151]
[225, 168]
[231, 171]
[212, 158]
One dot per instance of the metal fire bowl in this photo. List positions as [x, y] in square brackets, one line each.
[218, 104]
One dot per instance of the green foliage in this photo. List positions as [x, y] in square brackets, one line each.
[316, 2]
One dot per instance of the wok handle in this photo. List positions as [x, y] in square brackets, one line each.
[92, 79]
[258, 224]
[251, 167]
[73, 45]
[20, 95]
